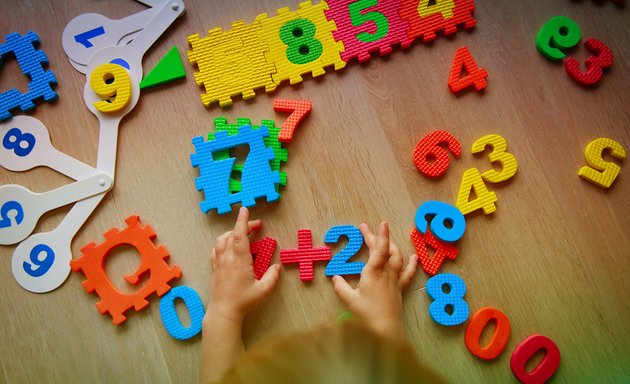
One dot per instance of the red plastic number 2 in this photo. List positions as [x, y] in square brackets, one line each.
[602, 57]
[476, 76]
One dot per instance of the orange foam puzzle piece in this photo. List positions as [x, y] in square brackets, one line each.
[476, 77]
[298, 110]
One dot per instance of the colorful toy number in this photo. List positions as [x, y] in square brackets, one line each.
[475, 76]
[442, 250]
[111, 82]
[599, 171]
[305, 254]
[262, 251]
[298, 110]
[339, 264]
[443, 214]
[21, 143]
[299, 36]
[506, 160]
[171, 321]
[453, 299]
[358, 18]
[602, 57]
[484, 199]
[429, 149]
[43, 265]
[557, 34]
[500, 337]
[11, 206]
[526, 350]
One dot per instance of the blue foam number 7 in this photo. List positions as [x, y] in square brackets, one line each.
[84, 38]
[453, 299]
[443, 214]
[4, 213]
[171, 321]
[339, 264]
[42, 265]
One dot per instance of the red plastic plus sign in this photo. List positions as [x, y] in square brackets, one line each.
[305, 254]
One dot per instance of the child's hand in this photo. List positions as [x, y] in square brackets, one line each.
[377, 300]
[235, 290]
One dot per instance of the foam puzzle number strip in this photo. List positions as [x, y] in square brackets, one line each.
[314, 37]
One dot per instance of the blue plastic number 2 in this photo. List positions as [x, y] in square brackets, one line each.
[453, 299]
[171, 321]
[444, 213]
[84, 38]
[339, 264]
[42, 265]
[4, 213]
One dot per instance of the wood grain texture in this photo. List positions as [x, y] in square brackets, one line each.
[554, 257]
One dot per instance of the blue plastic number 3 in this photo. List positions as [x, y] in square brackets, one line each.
[14, 139]
[443, 214]
[454, 299]
[4, 213]
[42, 265]
[171, 321]
[339, 264]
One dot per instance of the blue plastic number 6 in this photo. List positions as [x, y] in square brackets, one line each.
[171, 321]
[443, 213]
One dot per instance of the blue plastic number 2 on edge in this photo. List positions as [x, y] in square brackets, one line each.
[339, 264]
[171, 321]
[443, 213]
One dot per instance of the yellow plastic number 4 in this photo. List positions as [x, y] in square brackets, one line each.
[445, 7]
[507, 160]
[471, 181]
[111, 82]
[599, 171]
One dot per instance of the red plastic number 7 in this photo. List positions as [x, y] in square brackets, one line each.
[298, 109]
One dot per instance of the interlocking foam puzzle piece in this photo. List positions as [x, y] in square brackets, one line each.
[171, 321]
[471, 180]
[602, 57]
[599, 171]
[262, 251]
[305, 254]
[281, 155]
[31, 63]
[475, 76]
[257, 180]
[526, 350]
[231, 63]
[277, 53]
[349, 35]
[298, 110]
[500, 336]
[152, 260]
[426, 27]
[442, 250]
[169, 68]
[429, 147]
[454, 298]
[339, 264]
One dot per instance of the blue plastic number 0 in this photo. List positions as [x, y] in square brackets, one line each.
[453, 299]
[169, 316]
[19, 138]
[444, 213]
[339, 264]
[42, 265]
[4, 213]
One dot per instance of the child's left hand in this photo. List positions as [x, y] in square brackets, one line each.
[234, 288]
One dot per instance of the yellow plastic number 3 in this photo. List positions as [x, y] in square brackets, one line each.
[507, 160]
[602, 172]
[111, 82]
[445, 7]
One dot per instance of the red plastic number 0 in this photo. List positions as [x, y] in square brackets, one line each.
[528, 348]
[499, 338]
[429, 148]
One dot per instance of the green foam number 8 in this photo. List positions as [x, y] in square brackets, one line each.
[559, 33]
[302, 47]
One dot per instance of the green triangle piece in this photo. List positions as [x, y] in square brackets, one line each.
[169, 68]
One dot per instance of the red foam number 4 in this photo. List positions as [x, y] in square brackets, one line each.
[305, 254]
[476, 76]
[442, 251]
[298, 109]
[262, 251]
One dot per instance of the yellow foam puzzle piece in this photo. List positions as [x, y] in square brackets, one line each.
[508, 162]
[471, 179]
[599, 171]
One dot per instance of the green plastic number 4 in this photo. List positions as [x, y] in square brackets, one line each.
[358, 18]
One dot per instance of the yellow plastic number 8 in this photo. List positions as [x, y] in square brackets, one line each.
[507, 160]
[111, 82]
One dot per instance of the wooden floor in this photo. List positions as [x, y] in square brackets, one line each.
[555, 256]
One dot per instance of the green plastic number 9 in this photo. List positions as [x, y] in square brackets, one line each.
[559, 33]
[358, 18]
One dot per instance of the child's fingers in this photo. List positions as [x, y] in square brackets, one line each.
[221, 243]
[343, 290]
[269, 280]
[253, 226]
[409, 272]
[395, 257]
[241, 229]
[368, 236]
[213, 259]
[380, 252]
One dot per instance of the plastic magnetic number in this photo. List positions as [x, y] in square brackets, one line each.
[171, 321]
[429, 148]
[444, 7]
[339, 264]
[11, 206]
[453, 299]
[500, 337]
[299, 36]
[557, 34]
[111, 82]
[475, 76]
[498, 154]
[443, 213]
[484, 199]
[358, 18]
[21, 143]
[602, 57]
[599, 171]
[524, 352]
[43, 265]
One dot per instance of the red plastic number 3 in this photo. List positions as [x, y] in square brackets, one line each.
[602, 57]
[476, 76]
[429, 149]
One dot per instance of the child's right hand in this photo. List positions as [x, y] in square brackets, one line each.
[377, 300]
